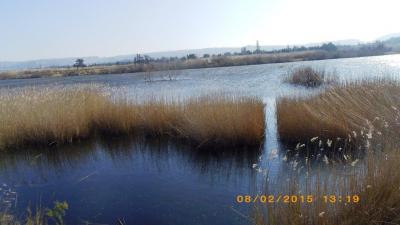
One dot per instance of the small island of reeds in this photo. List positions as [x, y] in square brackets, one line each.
[309, 77]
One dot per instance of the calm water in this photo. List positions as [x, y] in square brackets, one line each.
[159, 181]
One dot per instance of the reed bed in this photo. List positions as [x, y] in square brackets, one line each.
[374, 179]
[376, 184]
[367, 111]
[51, 116]
[351, 110]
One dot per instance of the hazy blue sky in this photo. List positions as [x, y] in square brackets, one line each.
[33, 29]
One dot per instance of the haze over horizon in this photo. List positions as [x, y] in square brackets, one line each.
[57, 29]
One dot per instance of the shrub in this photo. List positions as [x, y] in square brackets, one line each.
[306, 76]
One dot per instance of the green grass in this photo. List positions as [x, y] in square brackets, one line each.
[40, 216]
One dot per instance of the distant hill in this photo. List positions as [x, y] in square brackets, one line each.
[388, 37]
[43, 63]
[393, 43]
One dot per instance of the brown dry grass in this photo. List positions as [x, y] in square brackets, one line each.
[338, 112]
[33, 116]
[376, 179]
[308, 77]
[377, 185]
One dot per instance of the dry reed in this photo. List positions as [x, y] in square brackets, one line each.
[338, 112]
[376, 184]
[369, 108]
[308, 77]
[33, 116]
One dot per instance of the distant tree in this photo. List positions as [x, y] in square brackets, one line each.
[147, 59]
[138, 59]
[302, 48]
[243, 51]
[379, 46]
[206, 56]
[329, 47]
[373, 49]
[227, 54]
[191, 56]
[79, 63]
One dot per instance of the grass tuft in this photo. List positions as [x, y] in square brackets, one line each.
[308, 77]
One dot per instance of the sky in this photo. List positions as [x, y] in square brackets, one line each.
[75, 28]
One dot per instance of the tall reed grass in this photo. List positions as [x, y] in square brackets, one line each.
[339, 112]
[376, 184]
[34, 116]
[364, 110]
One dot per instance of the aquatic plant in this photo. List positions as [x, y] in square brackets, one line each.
[367, 111]
[308, 77]
[342, 111]
[57, 213]
[40, 216]
[60, 115]
[365, 194]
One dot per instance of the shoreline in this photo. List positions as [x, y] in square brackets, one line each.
[200, 63]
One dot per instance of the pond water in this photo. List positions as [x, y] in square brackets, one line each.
[158, 181]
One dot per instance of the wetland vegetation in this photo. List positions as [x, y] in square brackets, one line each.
[337, 139]
[339, 112]
[58, 115]
[365, 114]
[199, 112]
[309, 77]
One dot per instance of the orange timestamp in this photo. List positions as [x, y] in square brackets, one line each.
[333, 199]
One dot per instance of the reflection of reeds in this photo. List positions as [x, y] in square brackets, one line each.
[54, 116]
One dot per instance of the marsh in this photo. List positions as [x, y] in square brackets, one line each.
[159, 179]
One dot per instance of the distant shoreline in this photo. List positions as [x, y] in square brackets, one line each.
[198, 63]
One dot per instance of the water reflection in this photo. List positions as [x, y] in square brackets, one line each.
[134, 178]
